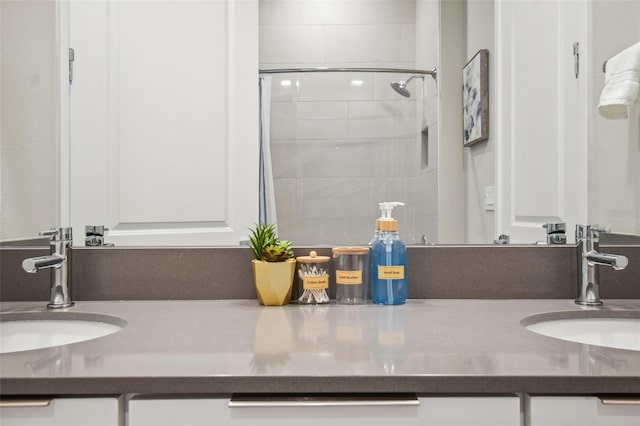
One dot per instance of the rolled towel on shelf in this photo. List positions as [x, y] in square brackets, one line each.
[621, 83]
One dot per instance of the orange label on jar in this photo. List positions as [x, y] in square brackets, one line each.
[390, 272]
[310, 282]
[348, 277]
[391, 338]
[315, 329]
[348, 334]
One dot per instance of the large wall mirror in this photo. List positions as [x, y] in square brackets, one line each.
[165, 146]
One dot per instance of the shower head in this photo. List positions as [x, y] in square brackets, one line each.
[401, 86]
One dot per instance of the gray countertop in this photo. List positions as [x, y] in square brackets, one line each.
[237, 346]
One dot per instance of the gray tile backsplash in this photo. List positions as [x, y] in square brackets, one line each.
[492, 272]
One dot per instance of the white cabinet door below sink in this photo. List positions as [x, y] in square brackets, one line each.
[580, 411]
[64, 412]
[432, 411]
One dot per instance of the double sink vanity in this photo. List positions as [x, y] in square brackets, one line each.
[500, 341]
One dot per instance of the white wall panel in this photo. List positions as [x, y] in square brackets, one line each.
[541, 117]
[614, 145]
[580, 411]
[164, 120]
[441, 411]
[65, 412]
[172, 100]
[29, 200]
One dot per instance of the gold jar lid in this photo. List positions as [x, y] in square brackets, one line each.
[389, 225]
[313, 258]
[349, 250]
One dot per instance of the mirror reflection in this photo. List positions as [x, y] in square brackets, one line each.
[342, 142]
[159, 147]
[29, 182]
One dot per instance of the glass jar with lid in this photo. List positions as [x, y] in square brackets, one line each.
[352, 274]
[313, 278]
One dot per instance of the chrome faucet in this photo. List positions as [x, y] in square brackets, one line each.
[60, 262]
[502, 239]
[556, 233]
[587, 239]
[94, 236]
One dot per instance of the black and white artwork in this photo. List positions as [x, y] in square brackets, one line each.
[475, 98]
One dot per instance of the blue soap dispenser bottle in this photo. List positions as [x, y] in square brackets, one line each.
[389, 261]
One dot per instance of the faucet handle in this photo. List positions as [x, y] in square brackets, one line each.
[57, 234]
[556, 227]
[590, 231]
[94, 236]
[502, 239]
[48, 232]
[556, 232]
[598, 229]
[99, 230]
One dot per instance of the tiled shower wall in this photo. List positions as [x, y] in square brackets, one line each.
[342, 142]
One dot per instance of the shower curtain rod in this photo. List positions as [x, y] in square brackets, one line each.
[432, 72]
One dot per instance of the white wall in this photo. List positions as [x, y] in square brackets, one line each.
[28, 102]
[341, 143]
[360, 33]
[479, 159]
[614, 164]
[451, 206]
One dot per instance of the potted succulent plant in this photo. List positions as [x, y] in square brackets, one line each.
[273, 267]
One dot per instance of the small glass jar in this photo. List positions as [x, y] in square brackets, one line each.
[352, 274]
[313, 278]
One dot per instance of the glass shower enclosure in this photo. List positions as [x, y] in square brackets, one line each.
[335, 142]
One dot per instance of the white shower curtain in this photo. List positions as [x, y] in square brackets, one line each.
[267, 202]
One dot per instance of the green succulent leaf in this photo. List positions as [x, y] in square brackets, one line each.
[262, 236]
[278, 252]
[286, 246]
[266, 246]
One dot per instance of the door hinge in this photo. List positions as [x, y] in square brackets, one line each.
[576, 58]
[71, 59]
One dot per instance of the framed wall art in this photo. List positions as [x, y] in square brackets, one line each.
[475, 98]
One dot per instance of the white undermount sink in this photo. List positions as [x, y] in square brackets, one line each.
[37, 330]
[612, 329]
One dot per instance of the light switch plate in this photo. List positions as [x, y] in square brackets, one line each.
[489, 198]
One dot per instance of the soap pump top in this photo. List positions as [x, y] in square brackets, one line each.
[376, 233]
[388, 223]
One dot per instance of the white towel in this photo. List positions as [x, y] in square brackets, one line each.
[621, 83]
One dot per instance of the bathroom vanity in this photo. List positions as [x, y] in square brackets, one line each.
[205, 351]
[469, 361]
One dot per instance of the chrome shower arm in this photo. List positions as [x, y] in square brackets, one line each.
[414, 76]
